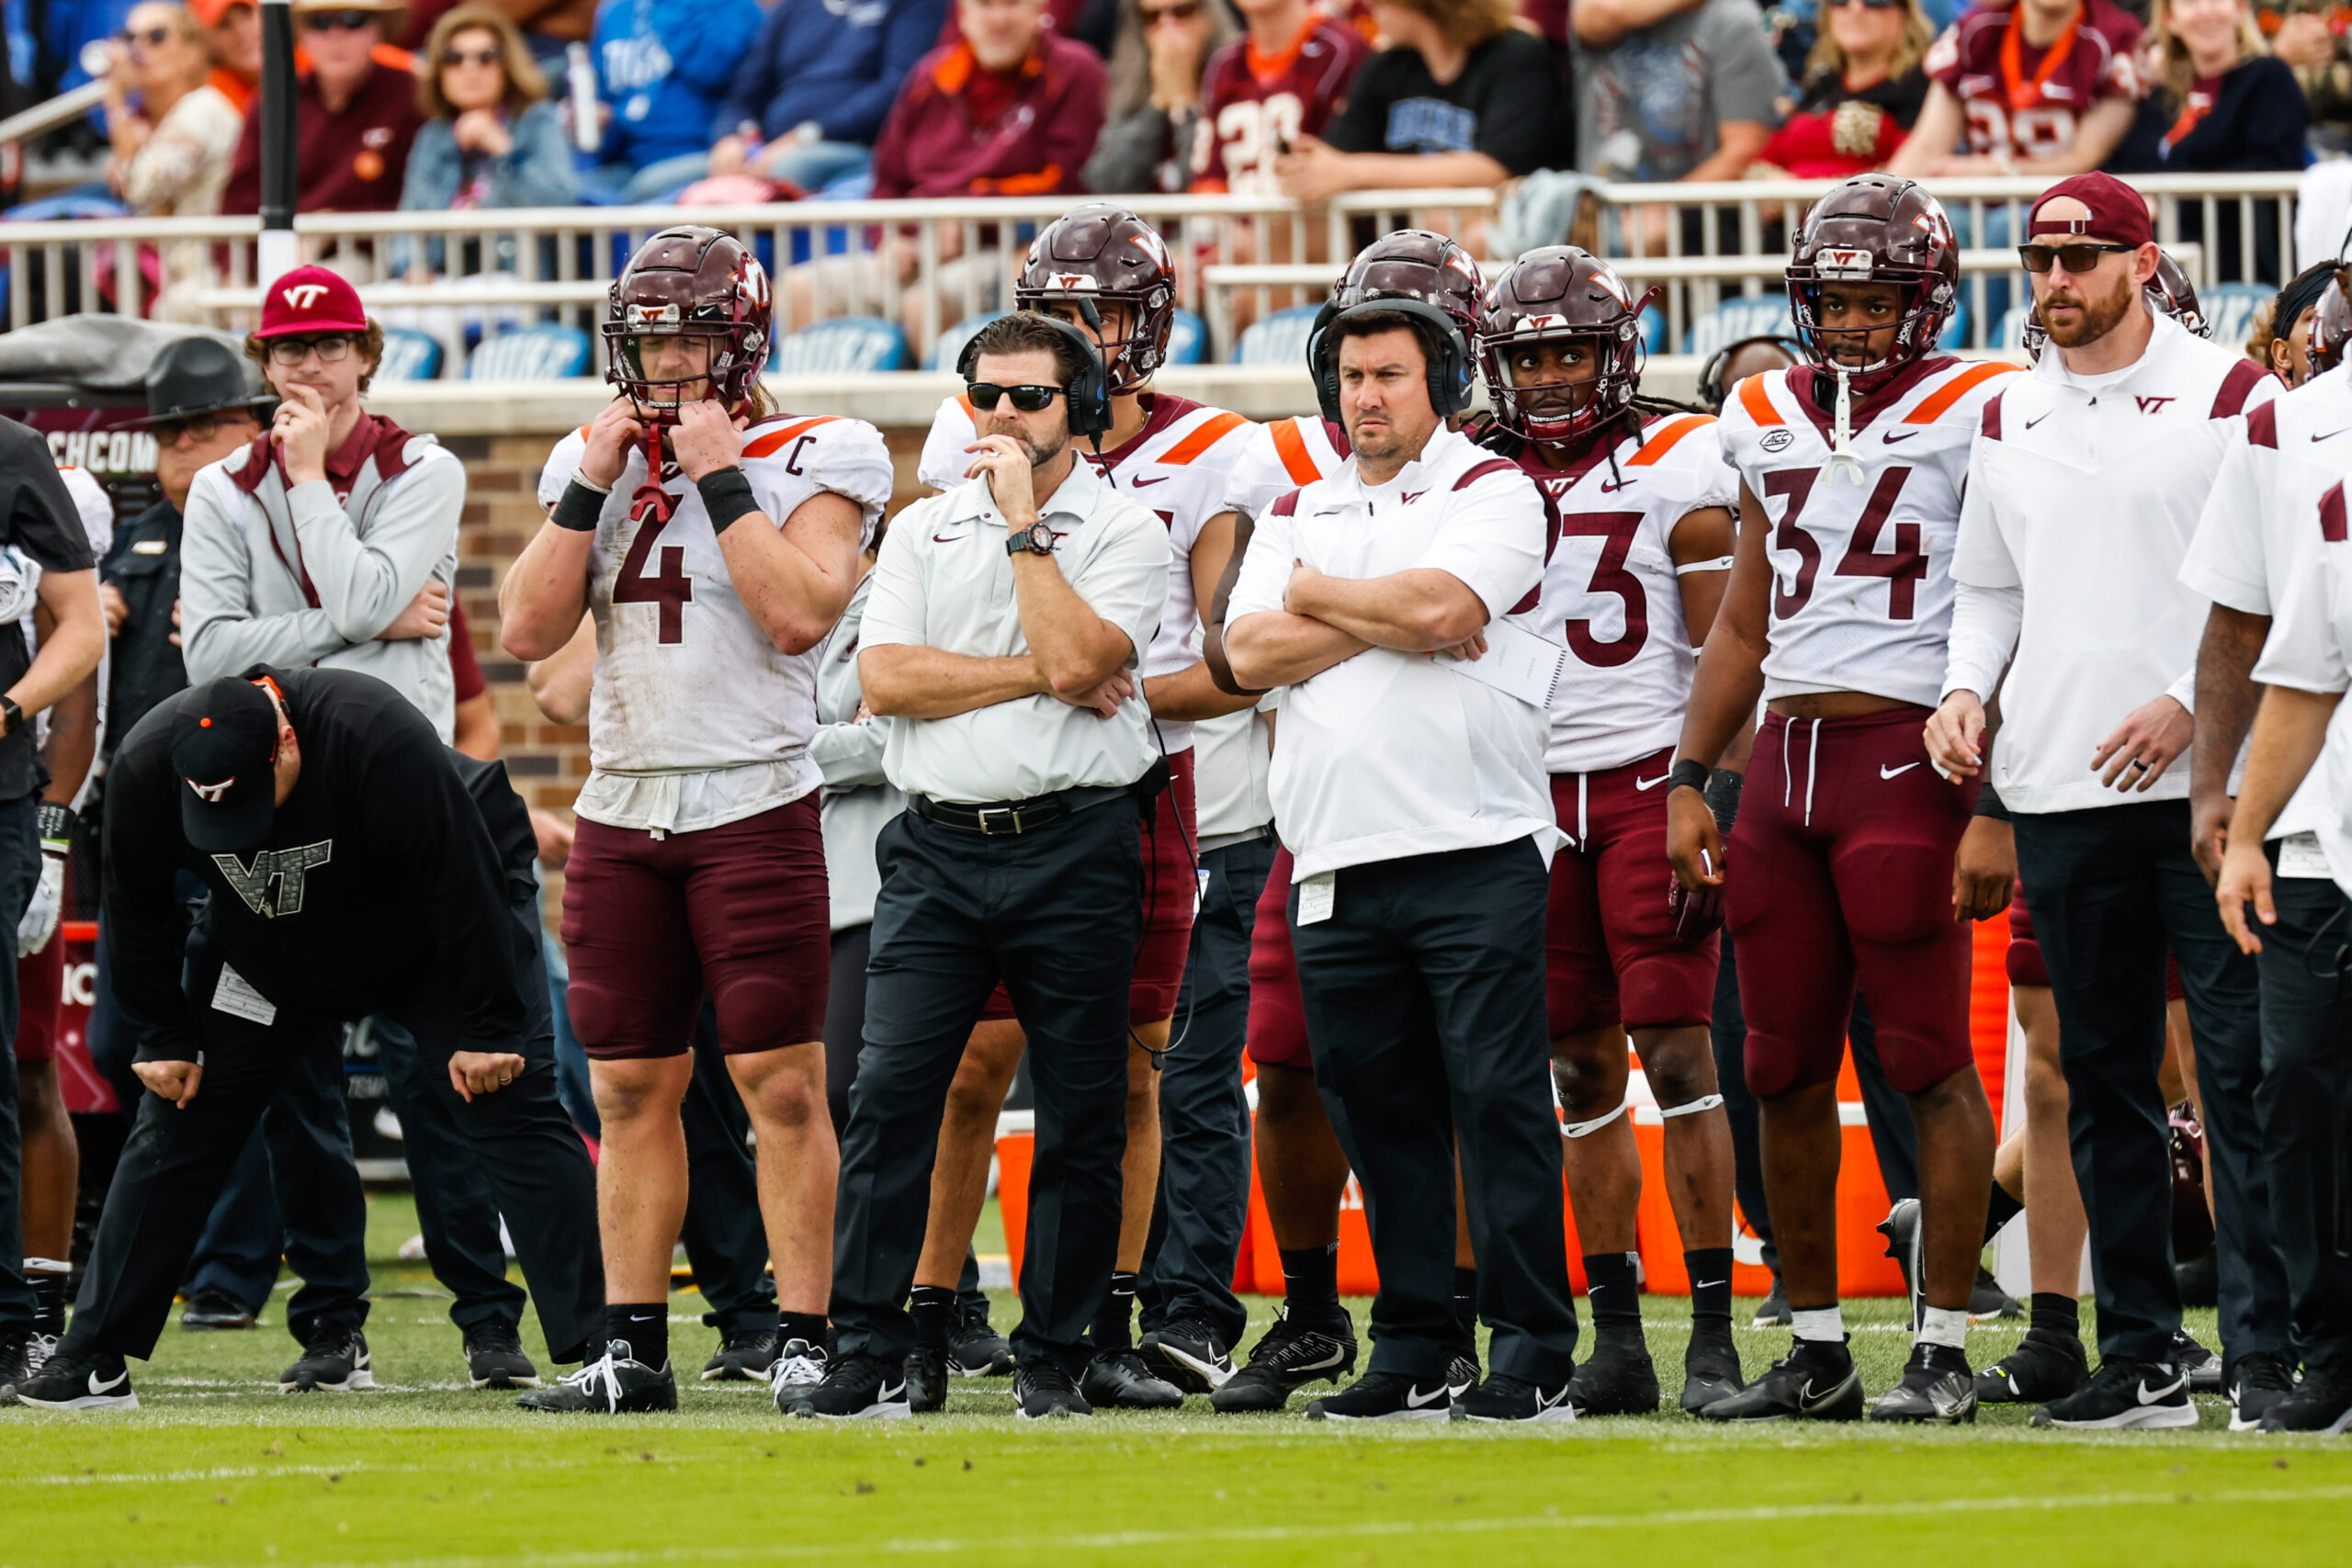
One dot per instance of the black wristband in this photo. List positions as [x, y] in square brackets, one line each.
[1687, 774]
[1722, 797]
[726, 495]
[579, 507]
[1988, 804]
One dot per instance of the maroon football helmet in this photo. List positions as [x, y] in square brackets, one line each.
[689, 281]
[1105, 254]
[2169, 293]
[1560, 294]
[1876, 228]
[2331, 329]
[1423, 275]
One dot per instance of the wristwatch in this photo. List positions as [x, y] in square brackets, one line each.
[1036, 538]
[12, 717]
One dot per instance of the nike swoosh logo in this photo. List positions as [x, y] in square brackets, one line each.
[1332, 1359]
[2031, 422]
[1887, 772]
[946, 539]
[1611, 487]
[1708, 1284]
[1651, 783]
[1139, 481]
[1416, 1400]
[1806, 1394]
[1890, 438]
[102, 1389]
[1456, 1390]
[2147, 1396]
[891, 1395]
[2331, 435]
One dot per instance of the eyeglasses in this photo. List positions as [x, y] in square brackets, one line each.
[336, 21]
[1869, 4]
[452, 57]
[198, 428]
[1182, 11]
[1028, 400]
[153, 38]
[2080, 256]
[332, 348]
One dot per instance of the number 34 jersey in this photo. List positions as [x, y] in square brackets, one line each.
[1861, 588]
[686, 680]
[1610, 594]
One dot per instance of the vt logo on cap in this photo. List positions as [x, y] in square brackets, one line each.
[212, 794]
[224, 743]
[303, 296]
[311, 300]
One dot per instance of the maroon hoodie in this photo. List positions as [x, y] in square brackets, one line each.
[1038, 130]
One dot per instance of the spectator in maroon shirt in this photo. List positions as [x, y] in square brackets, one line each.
[1011, 109]
[356, 116]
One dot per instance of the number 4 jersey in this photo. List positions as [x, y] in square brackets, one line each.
[697, 718]
[1861, 589]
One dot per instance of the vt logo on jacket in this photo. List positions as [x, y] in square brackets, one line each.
[285, 868]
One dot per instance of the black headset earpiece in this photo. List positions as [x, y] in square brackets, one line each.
[1711, 392]
[1089, 395]
[1453, 365]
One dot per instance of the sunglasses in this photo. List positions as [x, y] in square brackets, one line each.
[1028, 400]
[2080, 256]
[453, 57]
[1182, 11]
[336, 21]
[333, 348]
[153, 38]
[1868, 4]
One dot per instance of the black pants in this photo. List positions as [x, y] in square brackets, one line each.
[2109, 890]
[455, 1209]
[19, 870]
[1056, 914]
[1424, 1001]
[1204, 1201]
[177, 1159]
[2305, 1100]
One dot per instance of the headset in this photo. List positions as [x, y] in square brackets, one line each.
[1088, 396]
[1453, 364]
[1713, 393]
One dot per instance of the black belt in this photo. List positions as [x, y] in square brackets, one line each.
[1008, 816]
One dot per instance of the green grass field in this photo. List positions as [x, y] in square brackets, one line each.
[218, 1468]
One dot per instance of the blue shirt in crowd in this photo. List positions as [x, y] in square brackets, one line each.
[663, 66]
[838, 62]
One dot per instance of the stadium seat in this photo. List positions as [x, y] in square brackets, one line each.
[1188, 339]
[409, 355]
[950, 346]
[1739, 317]
[849, 345]
[1279, 339]
[2010, 333]
[543, 353]
[1955, 333]
[2230, 308]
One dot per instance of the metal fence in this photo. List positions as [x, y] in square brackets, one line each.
[928, 265]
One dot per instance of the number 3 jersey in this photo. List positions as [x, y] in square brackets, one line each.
[697, 718]
[1861, 589]
[1610, 594]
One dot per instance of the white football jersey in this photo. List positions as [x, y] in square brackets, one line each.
[1611, 595]
[1274, 460]
[686, 682]
[1861, 572]
[1176, 468]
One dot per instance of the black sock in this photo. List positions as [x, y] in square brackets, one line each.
[2000, 1212]
[934, 1308]
[1616, 1299]
[805, 1326]
[646, 1328]
[2056, 1313]
[1311, 1279]
[1113, 1321]
[1710, 1269]
[1465, 1301]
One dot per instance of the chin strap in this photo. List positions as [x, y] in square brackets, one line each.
[1842, 461]
[652, 504]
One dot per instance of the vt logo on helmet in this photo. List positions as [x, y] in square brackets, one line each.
[694, 283]
[1098, 254]
[1561, 295]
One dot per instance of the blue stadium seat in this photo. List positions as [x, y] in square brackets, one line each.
[2010, 333]
[950, 346]
[543, 353]
[1955, 333]
[1279, 339]
[2230, 306]
[848, 345]
[1739, 317]
[409, 355]
[1188, 339]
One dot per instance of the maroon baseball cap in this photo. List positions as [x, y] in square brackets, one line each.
[311, 300]
[2117, 212]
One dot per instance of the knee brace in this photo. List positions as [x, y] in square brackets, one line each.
[1586, 1129]
[1690, 1107]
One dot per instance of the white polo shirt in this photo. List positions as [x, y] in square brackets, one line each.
[1390, 754]
[943, 580]
[2305, 651]
[2083, 492]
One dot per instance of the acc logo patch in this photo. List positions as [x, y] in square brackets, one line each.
[1778, 440]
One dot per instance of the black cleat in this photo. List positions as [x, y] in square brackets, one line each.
[495, 1358]
[744, 1355]
[1117, 1379]
[2257, 1382]
[2122, 1395]
[854, 1388]
[615, 1383]
[1937, 1386]
[1905, 1244]
[2044, 1367]
[212, 1309]
[976, 1351]
[926, 1373]
[799, 1365]
[1711, 1371]
[1812, 1382]
[1462, 1372]
[1388, 1396]
[73, 1378]
[1506, 1398]
[1772, 1312]
[22, 1354]
[1045, 1391]
[334, 1358]
[2321, 1403]
[1620, 1380]
[1292, 1354]
[2203, 1367]
[1988, 1300]
[1188, 1353]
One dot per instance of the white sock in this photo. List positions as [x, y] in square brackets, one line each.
[47, 1266]
[1827, 1325]
[1943, 1325]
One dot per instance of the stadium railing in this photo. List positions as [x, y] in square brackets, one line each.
[1711, 240]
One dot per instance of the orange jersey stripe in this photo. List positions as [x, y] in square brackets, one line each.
[1666, 440]
[1757, 402]
[1291, 447]
[1211, 431]
[776, 439]
[1932, 408]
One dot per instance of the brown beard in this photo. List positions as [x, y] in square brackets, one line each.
[2100, 315]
